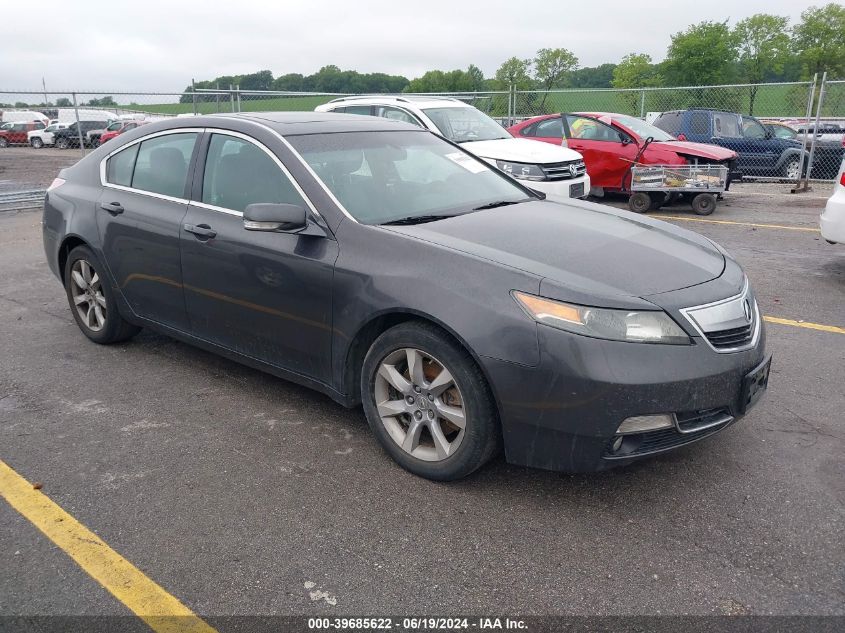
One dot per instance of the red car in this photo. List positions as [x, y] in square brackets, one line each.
[15, 133]
[118, 127]
[610, 143]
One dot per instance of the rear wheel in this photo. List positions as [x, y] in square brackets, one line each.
[428, 403]
[792, 169]
[704, 203]
[36, 142]
[92, 301]
[63, 142]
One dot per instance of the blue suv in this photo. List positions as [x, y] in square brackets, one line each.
[761, 153]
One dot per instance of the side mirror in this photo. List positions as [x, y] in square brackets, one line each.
[285, 218]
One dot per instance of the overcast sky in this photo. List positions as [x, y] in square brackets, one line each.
[160, 45]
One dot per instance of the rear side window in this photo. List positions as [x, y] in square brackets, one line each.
[727, 125]
[396, 114]
[699, 123]
[239, 173]
[549, 128]
[162, 164]
[120, 166]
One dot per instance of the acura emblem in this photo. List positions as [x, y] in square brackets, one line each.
[746, 306]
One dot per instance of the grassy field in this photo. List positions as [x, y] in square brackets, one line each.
[769, 101]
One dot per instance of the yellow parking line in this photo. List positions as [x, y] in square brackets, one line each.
[162, 612]
[754, 224]
[809, 326]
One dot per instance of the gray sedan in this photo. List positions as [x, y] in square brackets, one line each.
[386, 267]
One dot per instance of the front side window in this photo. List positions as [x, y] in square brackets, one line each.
[751, 128]
[465, 124]
[386, 176]
[587, 129]
[162, 164]
[239, 173]
[781, 131]
[113, 127]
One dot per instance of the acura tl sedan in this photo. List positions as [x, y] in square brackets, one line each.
[387, 267]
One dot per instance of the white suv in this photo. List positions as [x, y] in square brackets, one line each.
[40, 138]
[558, 172]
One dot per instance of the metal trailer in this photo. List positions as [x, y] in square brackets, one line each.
[650, 185]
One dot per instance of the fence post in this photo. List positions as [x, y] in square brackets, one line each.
[232, 96]
[511, 104]
[809, 113]
[238, 88]
[218, 96]
[642, 104]
[816, 126]
[194, 95]
[78, 126]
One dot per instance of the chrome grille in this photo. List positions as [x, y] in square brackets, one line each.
[729, 325]
[564, 171]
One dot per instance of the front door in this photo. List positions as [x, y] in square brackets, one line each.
[267, 295]
[139, 215]
[608, 153]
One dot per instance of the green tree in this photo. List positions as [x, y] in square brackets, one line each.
[63, 102]
[551, 67]
[762, 43]
[636, 70]
[592, 77]
[514, 72]
[819, 40]
[702, 55]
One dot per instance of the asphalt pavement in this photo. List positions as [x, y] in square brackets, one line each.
[240, 493]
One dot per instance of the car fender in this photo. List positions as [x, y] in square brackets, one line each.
[790, 153]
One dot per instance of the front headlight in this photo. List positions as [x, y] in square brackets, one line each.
[617, 325]
[523, 171]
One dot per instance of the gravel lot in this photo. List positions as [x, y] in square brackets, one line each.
[235, 490]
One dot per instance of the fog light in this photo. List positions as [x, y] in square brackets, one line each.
[617, 444]
[642, 423]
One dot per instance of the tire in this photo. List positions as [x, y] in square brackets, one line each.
[4, 142]
[439, 449]
[96, 314]
[704, 204]
[62, 142]
[37, 143]
[791, 170]
[639, 202]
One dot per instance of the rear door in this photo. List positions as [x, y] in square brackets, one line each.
[607, 152]
[139, 215]
[761, 153]
[727, 132]
[549, 131]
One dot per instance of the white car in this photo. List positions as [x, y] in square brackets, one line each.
[832, 221]
[558, 172]
[40, 138]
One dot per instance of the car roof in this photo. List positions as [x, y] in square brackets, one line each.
[298, 123]
[419, 101]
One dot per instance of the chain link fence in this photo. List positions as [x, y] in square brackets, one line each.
[793, 124]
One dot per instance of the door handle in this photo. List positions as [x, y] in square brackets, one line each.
[200, 230]
[115, 208]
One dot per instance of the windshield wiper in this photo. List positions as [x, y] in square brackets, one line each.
[498, 203]
[418, 219]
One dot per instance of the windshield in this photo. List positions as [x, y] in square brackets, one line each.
[642, 129]
[463, 124]
[387, 176]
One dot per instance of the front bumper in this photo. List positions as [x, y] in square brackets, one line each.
[560, 190]
[563, 414]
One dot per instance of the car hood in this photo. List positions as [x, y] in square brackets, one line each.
[596, 253]
[698, 150]
[521, 150]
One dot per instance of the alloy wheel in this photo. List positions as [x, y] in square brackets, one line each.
[420, 404]
[792, 170]
[87, 292]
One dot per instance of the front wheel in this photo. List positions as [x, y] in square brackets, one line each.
[92, 301]
[37, 143]
[4, 142]
[428, 403]
[639, 202]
